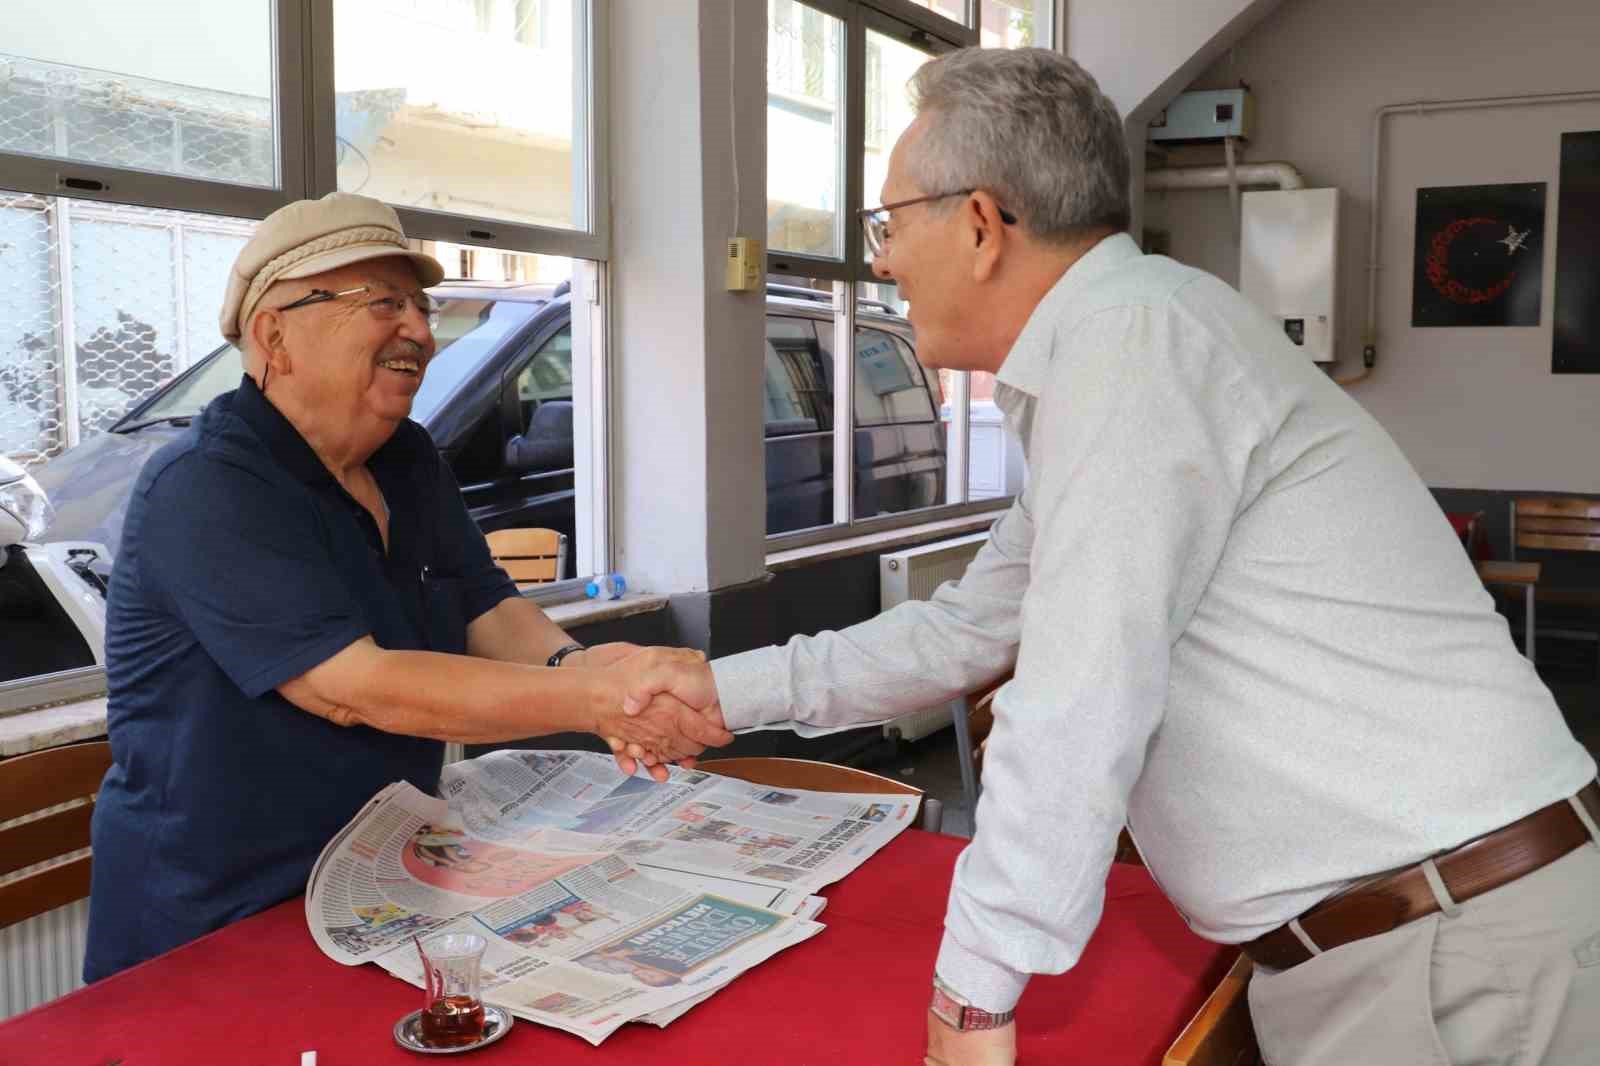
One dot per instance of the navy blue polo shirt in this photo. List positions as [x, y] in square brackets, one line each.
[243, 564]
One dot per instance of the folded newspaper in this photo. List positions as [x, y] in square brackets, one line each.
[604, 898]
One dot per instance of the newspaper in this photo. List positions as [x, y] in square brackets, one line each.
[604, 898]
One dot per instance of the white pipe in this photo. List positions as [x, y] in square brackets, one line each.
[1283, 175]
[1369, 338]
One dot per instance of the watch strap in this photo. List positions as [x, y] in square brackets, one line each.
[957, 1013]
[562, 652]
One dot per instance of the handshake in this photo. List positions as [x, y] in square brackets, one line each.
[653, 706]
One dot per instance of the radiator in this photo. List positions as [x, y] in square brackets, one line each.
[42, 958]
[914, 574]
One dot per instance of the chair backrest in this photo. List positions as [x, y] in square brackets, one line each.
[33, 783]
[814, 776]
[529, 556]
[1555, 523]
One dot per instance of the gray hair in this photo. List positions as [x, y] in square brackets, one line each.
[1030, 126]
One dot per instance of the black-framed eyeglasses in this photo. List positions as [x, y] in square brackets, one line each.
[875, 220]
[386, 308]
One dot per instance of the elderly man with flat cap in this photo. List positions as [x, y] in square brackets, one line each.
[302, 610]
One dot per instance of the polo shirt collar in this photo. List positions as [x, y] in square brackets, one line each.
[287, 447]
[1028, 363]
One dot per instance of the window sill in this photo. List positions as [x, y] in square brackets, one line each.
[883, 541]
[587, 612]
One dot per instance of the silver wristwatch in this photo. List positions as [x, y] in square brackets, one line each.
[949, 1007]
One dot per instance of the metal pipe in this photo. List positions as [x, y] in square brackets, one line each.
[1369, 338]
[1283, 175]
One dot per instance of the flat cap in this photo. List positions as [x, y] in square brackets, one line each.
[312, 236]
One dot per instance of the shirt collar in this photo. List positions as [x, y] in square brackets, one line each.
[1029, 359]
[285, 443]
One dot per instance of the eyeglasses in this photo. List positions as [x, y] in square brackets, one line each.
[875, 220]
[384, 308]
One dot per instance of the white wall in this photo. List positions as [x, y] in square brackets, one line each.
[1472, 408]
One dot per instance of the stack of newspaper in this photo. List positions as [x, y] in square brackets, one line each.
[605, 899]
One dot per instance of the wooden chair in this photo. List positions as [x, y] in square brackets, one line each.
[33, 783]
[1220, 1033]
[529, 556]
[822, 777]
[1560, 524]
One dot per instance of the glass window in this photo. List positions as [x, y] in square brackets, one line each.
[954, 10]
[1016, 23]
[890, 65]
[144, 86]
[994, 454]
[798, 385]
[103, 304]
[805, 130]
[889, 384]
[463, 106]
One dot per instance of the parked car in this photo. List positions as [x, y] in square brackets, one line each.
[497, 399]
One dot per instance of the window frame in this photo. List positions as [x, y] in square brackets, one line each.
[928, 31]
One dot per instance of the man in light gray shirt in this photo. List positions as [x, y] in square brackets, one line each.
[1238, 622]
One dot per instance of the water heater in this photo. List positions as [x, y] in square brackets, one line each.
[1289, 260]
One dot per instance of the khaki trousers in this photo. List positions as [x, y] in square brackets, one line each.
[1511, 979]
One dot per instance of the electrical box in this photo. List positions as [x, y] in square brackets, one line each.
[744, 264]
[1289, 262]
[1205, 116]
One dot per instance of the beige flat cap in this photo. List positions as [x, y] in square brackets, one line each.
[311, 236]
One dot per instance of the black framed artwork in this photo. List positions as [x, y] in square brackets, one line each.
[1576, 345]
[1479, 255]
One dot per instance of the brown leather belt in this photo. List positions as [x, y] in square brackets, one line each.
[1387, 901]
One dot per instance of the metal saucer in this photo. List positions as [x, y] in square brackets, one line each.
[408, 1032]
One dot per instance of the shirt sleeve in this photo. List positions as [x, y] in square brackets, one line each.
[1141, 456]
[248, 566]
[919, 654]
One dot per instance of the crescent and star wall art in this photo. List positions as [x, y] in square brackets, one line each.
[1479, 255]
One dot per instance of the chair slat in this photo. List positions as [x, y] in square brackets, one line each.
[43, 779]
[1583, 527]
[44, 891]
[1558, 542]
[1557, 507]
[45, 838]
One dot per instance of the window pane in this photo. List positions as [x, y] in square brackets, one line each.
[805, 130]
[889, 384]
[797, 405]
[64, 379]
[890, 64]
[1017, 24]
[994, 454]
[463, 106]
[172, 88]
[954, 10]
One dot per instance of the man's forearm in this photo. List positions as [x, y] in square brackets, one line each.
[516, 631]
[449, 697]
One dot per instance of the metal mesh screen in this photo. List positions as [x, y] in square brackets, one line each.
[55, 109]
[102, 304]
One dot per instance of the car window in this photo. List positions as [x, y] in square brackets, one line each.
[797, 379]
[538, 438]
[185, 398]
[548, 375]
[889, 386]
[468, 331]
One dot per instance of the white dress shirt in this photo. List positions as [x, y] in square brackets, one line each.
[1240, 624]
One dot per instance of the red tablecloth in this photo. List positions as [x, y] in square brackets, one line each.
[260, 992]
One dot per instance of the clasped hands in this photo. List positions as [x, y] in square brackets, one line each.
[656, 705]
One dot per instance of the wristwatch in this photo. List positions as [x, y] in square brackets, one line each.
[561, 653]
[949, 1007]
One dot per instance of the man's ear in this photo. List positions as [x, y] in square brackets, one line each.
[267, 340]
[981, 216]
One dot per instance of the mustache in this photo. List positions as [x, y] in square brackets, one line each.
[404, 348]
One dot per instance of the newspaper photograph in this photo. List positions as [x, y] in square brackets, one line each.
[604, 899]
